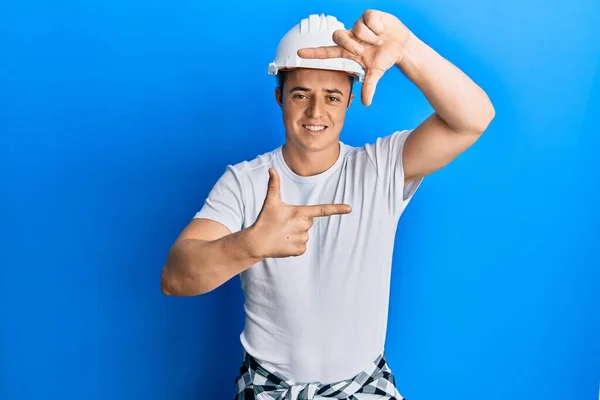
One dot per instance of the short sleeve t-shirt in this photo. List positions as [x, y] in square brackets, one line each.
[321, 316]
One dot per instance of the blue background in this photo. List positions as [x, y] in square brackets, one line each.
[117, 117]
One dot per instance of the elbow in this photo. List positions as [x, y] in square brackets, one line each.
[479, 126]
[487, 117]
[479, 119]
[183, 275]
[171, 285]
[166, 286]
[175, 277]
[491, 114]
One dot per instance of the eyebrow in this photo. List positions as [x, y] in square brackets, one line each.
[304, 89]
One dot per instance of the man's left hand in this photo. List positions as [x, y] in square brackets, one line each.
[376, 41]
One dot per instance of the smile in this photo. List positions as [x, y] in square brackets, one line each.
[315, 128]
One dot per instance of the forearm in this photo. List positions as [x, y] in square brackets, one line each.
[457, 100]
[196, 267]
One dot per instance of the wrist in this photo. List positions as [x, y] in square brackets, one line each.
[252, 243]
[409, 48]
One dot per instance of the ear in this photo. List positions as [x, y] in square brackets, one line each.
[350, 100]
[278, 96]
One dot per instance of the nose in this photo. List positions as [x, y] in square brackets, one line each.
[315, 107]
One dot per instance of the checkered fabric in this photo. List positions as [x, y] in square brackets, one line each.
[255, 382]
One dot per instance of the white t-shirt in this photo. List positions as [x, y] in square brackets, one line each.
[322, 316]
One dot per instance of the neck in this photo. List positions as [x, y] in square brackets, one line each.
[305, 163]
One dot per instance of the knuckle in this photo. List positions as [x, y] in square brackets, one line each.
[370, 17]
[337, 35]
[341, 37]
[360, 31]
[369, 13]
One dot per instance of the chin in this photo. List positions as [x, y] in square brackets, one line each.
[317, 143]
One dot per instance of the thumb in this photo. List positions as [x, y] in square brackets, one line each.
[273, 196]
[372, 77]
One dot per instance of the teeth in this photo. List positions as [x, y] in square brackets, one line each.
[314, 128]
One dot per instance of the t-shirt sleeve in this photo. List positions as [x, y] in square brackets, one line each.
[386, 155]
[225, 202]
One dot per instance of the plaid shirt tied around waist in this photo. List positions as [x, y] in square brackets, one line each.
[256, 382]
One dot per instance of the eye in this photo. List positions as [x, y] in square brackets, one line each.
[333, 98]
[299, 96]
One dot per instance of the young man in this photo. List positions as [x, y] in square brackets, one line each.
[310, 226]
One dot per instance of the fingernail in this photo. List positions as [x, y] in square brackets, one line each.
[358, 50]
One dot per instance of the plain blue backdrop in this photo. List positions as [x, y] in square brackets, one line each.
[117, 117]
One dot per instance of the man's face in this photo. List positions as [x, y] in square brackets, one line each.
[314, 104]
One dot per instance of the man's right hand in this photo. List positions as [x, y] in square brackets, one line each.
[281, 230]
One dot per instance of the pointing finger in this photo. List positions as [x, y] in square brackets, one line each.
[273, 196]
[327, 52]
[321, 52]
[324, 210]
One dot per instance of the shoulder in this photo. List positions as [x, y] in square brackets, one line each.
[378, 147]
[392, 140]
[234, 186]
[251, 169]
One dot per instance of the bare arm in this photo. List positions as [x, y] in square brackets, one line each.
[379, 41]
[462, 110]
[205, 256]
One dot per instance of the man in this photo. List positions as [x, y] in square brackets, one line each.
[310, 226]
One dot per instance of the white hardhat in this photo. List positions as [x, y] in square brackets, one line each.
[314, 31]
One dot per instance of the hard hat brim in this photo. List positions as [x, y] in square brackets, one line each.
[357, 72]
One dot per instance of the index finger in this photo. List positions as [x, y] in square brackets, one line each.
[324, 210]
[326, 52]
